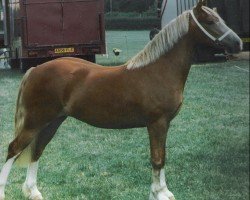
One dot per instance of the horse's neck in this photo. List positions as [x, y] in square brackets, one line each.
[175, 65]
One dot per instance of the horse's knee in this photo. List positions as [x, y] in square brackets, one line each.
[158, 164]
[158, 159]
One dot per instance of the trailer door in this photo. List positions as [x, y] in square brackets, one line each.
[82, 21]
[43, 22]
[63, 22]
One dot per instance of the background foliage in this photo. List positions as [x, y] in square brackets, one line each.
[135, 23]
[131, 15]
[129, 5]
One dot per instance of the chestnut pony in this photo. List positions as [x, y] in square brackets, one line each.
[147, 91]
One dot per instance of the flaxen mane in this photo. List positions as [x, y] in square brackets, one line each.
[162, 42]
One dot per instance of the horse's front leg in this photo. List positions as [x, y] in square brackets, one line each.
[157, 135]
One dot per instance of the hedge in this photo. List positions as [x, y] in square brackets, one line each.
[136, 23]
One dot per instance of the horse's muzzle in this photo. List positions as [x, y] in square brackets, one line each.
[236, 47]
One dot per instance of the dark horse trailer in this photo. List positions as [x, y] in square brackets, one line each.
[39, 30]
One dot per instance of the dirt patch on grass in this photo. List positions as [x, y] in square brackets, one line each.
[245, 55]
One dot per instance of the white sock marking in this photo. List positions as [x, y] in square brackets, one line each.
[159, 190]
[4, 175]
[31, 177]
[30, 187]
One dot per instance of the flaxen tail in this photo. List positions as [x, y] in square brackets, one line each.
[25, 156]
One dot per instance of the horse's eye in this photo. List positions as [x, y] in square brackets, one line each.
[210, 22]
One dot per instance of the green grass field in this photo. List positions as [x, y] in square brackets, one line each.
[208, 144]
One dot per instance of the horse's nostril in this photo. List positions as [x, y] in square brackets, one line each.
[237, 43]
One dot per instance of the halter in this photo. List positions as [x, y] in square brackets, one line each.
[205, 31]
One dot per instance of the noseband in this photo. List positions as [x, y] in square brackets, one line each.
[217, 40]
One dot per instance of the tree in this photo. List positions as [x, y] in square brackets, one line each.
[129, 5]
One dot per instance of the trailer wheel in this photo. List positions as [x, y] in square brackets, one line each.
[23, 66]
[27, 63]
[91, 58]
[14, 63]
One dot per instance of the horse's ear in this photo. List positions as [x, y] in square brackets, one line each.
[199, 5]
[204, 2]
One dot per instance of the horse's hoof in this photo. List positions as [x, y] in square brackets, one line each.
[171, 198]
[31, 195]
[163, 195]
[2, 194]
[170, 195]
[26, 190]
[37, 197]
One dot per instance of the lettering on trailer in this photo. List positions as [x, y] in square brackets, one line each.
[64, 50]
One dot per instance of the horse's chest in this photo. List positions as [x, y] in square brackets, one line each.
[167, 105]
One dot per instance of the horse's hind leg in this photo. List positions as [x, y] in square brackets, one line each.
[4, 175]
[15, 149]
[38, 145]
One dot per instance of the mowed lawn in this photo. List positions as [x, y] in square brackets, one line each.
[208, 146]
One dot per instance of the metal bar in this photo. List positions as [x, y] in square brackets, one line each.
[25, 3]
[5, 19]
[177, 7]
[159, 11]
[87, 45]
[100, 26]
[165, 5]
[181, 6]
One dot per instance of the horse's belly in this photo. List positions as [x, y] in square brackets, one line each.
[112, 122]
[115, 125]
[110, 117]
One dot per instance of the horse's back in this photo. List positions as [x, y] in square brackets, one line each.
[89, 92]
[54, 86]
